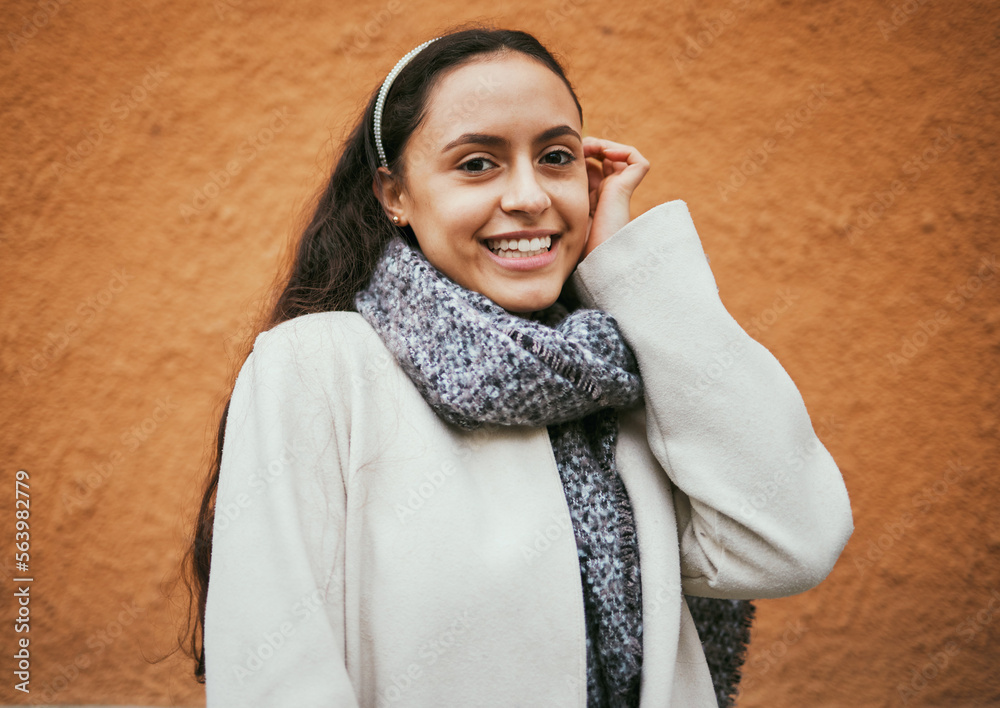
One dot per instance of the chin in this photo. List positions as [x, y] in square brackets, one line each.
[526, 303]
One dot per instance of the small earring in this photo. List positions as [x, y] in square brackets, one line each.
[395, 219]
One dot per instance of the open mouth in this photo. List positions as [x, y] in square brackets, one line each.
[520, 248]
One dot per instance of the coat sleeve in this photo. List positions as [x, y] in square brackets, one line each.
[762, 510]
[274, 619]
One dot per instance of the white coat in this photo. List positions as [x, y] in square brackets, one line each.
[368, 554]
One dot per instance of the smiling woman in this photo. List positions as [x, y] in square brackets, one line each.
[481, 204]
[522, 503]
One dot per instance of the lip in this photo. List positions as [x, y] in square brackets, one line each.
[521, 264]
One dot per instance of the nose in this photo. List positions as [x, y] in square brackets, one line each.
[523, 192]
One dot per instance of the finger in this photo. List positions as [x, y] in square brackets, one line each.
[611, 143]
[623, 167]
[615, 151]
[630, 155]
[594, 176]
[594, 147]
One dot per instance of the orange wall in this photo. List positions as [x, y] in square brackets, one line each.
[838, 158]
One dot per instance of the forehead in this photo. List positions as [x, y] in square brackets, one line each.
[498, 94]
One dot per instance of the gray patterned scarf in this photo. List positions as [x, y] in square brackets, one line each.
[475, 363]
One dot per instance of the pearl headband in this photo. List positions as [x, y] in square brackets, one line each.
[384, 91]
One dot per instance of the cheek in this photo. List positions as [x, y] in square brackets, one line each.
[574, 194]
[464, 212]
[470, 212]
[576, 203]
[444, 222]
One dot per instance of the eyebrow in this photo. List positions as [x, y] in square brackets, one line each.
[497, 141]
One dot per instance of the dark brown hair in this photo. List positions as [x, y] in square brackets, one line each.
[337, 252]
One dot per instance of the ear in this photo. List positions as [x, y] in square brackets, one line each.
[390, 194]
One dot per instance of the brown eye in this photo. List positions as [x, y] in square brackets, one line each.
[562, 157]
[475, 165]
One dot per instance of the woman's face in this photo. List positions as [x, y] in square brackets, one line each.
[495, 185]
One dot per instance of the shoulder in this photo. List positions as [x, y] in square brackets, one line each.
[317, 328]
[318, 353]
[340, 336]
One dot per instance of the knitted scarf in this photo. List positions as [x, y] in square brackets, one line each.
[475, 363]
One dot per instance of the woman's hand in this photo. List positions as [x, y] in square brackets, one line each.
[612, 175]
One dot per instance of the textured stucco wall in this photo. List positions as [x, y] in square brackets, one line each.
[839, 161]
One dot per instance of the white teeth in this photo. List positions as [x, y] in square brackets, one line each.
[520, 248]
[520, 254]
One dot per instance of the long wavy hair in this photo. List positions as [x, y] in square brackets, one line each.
[337, 252]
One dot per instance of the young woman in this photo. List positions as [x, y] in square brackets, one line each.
[495, 431]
